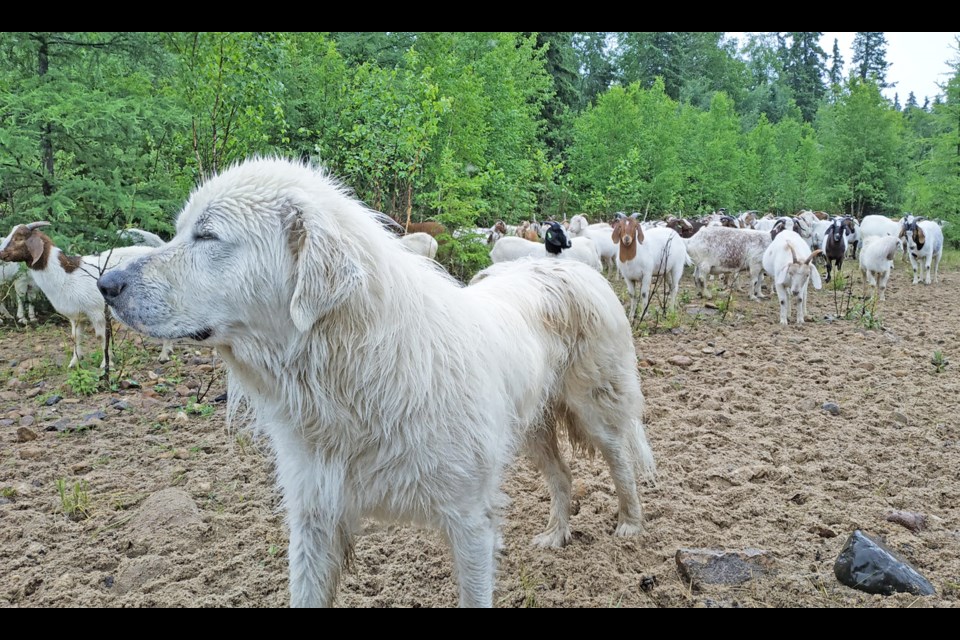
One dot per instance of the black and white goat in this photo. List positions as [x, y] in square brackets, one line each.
[834, 243]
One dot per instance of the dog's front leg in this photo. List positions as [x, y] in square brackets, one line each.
[320, 532]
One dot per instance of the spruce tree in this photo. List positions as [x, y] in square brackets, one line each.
[870, 57]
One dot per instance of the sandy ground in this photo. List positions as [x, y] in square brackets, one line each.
[163, 506]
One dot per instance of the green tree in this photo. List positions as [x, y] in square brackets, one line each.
[870, 57]
[804, 67]
[835, 75]
[862, 146]
[595, 67]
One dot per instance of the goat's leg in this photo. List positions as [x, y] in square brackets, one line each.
[784, 303]
[882, 284]
[75, 329]
[926, 268]
[165, 351]
[632, 291]
[100, 328]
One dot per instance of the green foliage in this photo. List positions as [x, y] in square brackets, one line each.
[84, 381]
[74, 499]
[202, 409]
[939, 362]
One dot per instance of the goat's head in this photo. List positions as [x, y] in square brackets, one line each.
[836, 232]
[628, 234]
[555, 238]
[729, 221]
[778, 226]
[795, 275]
[26, 243]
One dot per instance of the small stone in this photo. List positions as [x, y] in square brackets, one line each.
[28, 364]
[707, 350]
[6, 422]
[823, 532]
[52, 400]
[832, 408]
[181, 417]
[916, 522]
[715, 566]
[163, 417]
[868, 565]
[193, 385]
[867, 366]
[152, 375]
[13, 383]
[899, 373]
[8, 396]
[97, 415]
[647, 583]
[204, 487]
[122, 405]
[899, 417]
[25, 435]
[183, 390]
[680, 361]
[80, 469]
[71, 401]
[31, 454]
[129, 384]
[33, 392]
[205, 368]
[26, 421]
[221, 398]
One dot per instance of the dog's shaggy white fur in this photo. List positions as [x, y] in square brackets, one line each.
[386, 389]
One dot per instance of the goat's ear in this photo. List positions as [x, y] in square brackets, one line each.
[921, 238]
[815, 277]
[35, 246]
[327, 269]
[782, 275]
[639, 233]
[617, 232]
[903, 232]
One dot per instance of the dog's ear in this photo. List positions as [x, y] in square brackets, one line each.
[326, 272]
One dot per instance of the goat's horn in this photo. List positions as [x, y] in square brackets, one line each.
[812, 256]
[793, 253]
[37, 225]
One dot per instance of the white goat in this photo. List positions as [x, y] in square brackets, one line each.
[69, 282]
[139, 236]
[876, 261]
[601, 234]
[717, 250]
[557, 245]
[23, 289]
[924, 241]
[643, 254]
[789, 263]
[421, 243]
[514, 247]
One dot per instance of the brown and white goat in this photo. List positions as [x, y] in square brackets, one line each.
[68, 282]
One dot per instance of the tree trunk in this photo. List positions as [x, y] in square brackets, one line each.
[46, 144]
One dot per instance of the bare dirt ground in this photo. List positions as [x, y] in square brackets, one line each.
[163, 506]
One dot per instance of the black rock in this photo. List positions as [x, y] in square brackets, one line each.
[52, 400]
[120, 405]
[832, 408]
[97, 415]
[868, 565]
[108, 582]
[221, 398]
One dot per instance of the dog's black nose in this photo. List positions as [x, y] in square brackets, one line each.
[111, 285]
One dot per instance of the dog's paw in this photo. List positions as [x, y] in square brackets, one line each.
[552, 539]
[627, 529]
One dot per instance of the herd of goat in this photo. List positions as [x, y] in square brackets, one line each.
[721, 245]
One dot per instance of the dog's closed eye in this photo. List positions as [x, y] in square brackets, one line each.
[203, 235]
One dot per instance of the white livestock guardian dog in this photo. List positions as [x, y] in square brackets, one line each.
[385, 388]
